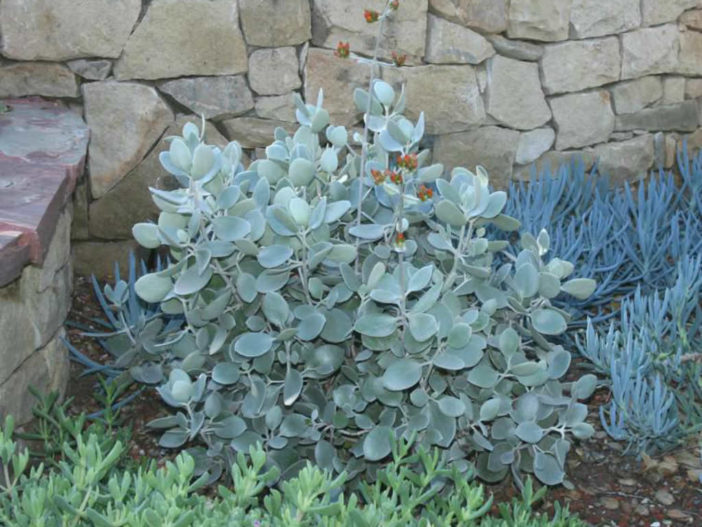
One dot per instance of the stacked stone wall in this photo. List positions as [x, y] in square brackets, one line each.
[503, 83]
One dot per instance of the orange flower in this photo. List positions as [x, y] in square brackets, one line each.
[378, 177]
[371, 15]
[400, 238]
[424, 193]
[342, 50]
[408, 161]
[394, 177]
[398, 60]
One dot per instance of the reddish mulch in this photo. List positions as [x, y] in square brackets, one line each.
[609, 489]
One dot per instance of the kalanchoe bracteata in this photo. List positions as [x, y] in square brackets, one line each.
[343, 50]
[371, 15]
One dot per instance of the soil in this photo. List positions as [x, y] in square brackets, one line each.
[607, 488]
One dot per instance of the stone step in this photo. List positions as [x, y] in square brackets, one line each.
[42, 153]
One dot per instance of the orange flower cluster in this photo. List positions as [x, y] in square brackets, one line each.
[343, 49]
[371, 15]
[408, 161]
[395, 4]
[400, 238]
[424, 193]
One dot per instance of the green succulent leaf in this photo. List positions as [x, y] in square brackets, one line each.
[548, 322]
[377, 443]
[253, 344]
[402, 374]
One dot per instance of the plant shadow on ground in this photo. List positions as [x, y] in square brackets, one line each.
[608, 488]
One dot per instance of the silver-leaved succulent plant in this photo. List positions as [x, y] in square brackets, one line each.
[327, 311]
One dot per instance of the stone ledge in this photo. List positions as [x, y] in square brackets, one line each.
[42, 153]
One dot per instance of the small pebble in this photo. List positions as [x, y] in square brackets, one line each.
[610, 503]
[665, 497]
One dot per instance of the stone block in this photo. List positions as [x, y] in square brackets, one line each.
[516, 49]
[596, 18]
[545, 20]
[533, 144]
[693, 88]
[680, 117]
[449, 43]
[338, 78]
[650, 51]
[493, 147]
[275, 23]
[99, 258]
[448, 95]
[692, 19]
[47, 370]
[577, 65]
[660, 11]
[94, 70]
[487, 16]
[185, 37]
[252, 132]
[66, 29]
[632, 96]
[214, 97]
[515, 97]
[37, 78]
[551, 161]
[582, 119]
[278, 108]
[125, 119]
[626, 160]
[690, 58]
[673, 89]
[274, 71]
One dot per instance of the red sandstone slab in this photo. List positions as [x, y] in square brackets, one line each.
[42, 153]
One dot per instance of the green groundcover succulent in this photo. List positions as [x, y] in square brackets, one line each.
[90, 487]
[338, 295]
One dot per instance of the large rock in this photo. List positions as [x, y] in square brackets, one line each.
[126, 119]
[516, 49]
[545, 20]
[596, 18]
[37, 78]
[213, 97]
[274, 71]
[660, 11]
[489, 16]
[278, 107]
[449, 43]
[112, 216]
[94, 70]
[493, 147]
[515, 97]
[533, 144]
[632, 96]
[582, 119]
[680, 117]
[448, 95]
[47, 370]
[626, 160]
[275, 23]
[338, 78]
[185, 37]
[66, 29]
[649, 51]
[251, 132]
[79, 226]
[405, 31]
[576, 65]
[690, 58]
